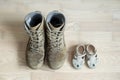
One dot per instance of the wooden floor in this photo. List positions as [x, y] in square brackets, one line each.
[88, 21]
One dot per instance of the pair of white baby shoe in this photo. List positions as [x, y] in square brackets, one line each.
[85, 53]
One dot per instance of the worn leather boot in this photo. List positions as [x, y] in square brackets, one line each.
[56, 50]
[34, 25]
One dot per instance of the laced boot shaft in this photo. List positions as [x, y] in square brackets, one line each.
[56, 49]
[36, 42]
[34, 25]
[55, 41]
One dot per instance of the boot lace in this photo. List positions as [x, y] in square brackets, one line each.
[36, 41]
[55, 40]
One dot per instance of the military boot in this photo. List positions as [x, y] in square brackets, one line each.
[34, 25]
[56, 50]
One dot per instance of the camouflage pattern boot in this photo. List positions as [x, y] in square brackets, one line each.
[34, 25]
[56, 50]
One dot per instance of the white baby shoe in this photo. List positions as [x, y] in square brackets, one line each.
[91, 56]
[79, 57]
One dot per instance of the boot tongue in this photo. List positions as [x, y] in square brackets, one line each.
[35, 27]
[52, 28]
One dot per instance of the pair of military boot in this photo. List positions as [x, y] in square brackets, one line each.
[46, 39]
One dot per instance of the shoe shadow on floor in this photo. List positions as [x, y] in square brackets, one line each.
[71, 53]
[19, 38]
